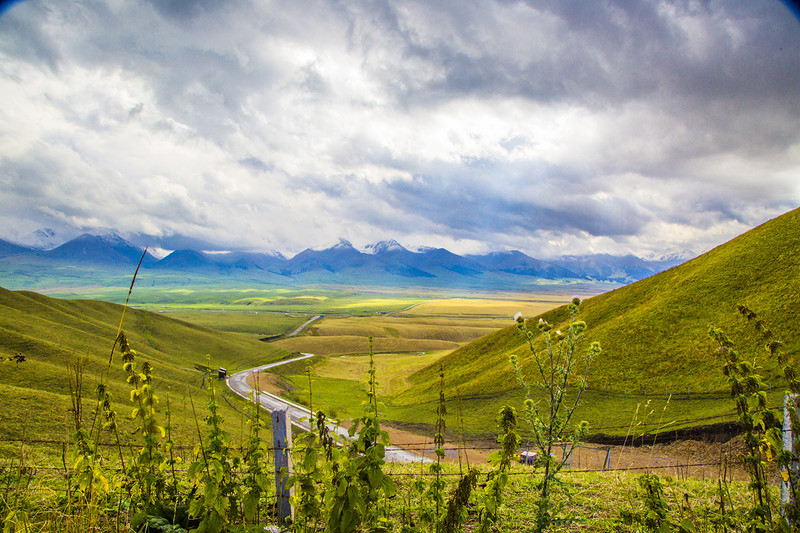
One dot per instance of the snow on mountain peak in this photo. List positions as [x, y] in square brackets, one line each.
[343, 243]
[383, 247]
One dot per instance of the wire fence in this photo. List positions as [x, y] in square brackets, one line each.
[637, 432]
[582, 458]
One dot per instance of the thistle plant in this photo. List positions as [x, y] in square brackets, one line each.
[87, 479]
[557, 368]
[310, 479]
[749, 394]
[433, 515]
[457, 504]
[763, 431]
[146, 478]
[256, 482]
[501, 459]
[359, 481]
[215, 489]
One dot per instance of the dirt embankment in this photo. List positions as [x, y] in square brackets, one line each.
[679, 459]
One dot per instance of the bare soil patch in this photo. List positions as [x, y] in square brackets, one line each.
[679, 459]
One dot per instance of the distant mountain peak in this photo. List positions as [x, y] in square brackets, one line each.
[383, 247]
[341, 244]
[426, 249]
[102, 249]
[113, 237]
[43, 239]
[673, 255]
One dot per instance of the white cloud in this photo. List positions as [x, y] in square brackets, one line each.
[475, 126]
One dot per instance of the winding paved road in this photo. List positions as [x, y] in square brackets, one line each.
[300, 415]
[307, 322]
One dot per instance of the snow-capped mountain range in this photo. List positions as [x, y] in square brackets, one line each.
[385, 262]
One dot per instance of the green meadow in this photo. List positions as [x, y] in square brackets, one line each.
[656, 378]
[184, 332]
[658, 371]
[56, 335]
[657, 375]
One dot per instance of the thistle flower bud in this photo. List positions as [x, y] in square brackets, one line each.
[518, 318]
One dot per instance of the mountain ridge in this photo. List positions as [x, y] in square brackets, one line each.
[382, 262]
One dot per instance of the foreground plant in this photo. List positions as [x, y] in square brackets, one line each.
[215, 500]
[256, 483]
[763, 429]
[501, 460]
[86, 483]
[433, 496]
[562, 385]
[361, 482]
[343, 488]
[146, 476]
[749, 394]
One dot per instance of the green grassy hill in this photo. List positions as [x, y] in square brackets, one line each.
[653, 333]
[53, 333]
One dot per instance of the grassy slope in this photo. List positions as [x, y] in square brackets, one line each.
[256, 323]
[52, 333]
[653, 332]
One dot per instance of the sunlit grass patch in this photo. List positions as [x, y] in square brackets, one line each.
[351, 344]
[500, 307]
[259, 323]
[392, 368]
[453, 330]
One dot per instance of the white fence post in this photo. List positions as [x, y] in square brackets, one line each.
[788, 444]
[282, 442]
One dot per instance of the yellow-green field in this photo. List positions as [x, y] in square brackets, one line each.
[408, 327]
[351, 344]
[392, 367]
[403, 343]
[502, 306]
[257, 323]
[434, 325]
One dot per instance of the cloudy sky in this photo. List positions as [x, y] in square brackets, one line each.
[548, 126]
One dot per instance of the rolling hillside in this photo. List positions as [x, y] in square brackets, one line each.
[653, 332]
[52, 334]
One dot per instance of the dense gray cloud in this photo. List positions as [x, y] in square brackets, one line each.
[549, 126]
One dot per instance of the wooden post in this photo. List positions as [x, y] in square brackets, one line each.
[282, 442]
[788, 444]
